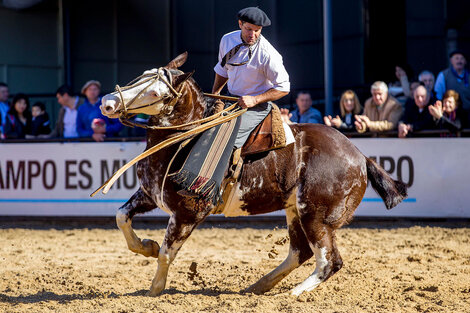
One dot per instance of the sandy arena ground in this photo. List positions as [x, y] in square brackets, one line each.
[409, 269]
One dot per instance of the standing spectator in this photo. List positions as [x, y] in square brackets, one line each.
[381, 112]
[349, 106]
[456, 77]
[448, 114]
[304, 113]
[18, 119]
[66, 124]
[4, 107]
[40, 124]
[428, 79]
[90, 121]
[417, 116]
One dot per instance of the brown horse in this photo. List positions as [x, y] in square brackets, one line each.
[319, 181]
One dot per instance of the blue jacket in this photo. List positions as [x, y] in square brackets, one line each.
[85, 115]
[310, 116]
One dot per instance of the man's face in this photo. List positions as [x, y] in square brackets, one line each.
[458, 62]
[304, 101]
[379, 96]
[92, 92]
[4, 94]
[421, 97]
[428, 81]
[62, 99]
[250, 32]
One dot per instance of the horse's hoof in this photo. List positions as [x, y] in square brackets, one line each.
[151, 248]
[257, 290]
[153, 293]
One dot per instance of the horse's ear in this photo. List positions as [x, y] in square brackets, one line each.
[178, 61]
[179, 79]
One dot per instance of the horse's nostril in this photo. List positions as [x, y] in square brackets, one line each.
[108, 108]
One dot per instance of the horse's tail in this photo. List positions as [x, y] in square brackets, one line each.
[391, 191]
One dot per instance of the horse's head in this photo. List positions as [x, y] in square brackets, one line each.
[152, 93]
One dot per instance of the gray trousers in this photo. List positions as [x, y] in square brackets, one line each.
[249, 120]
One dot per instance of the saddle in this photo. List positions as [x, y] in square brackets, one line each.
[268, 135]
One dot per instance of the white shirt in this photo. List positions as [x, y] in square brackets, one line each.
[70, 121]
[264, 71]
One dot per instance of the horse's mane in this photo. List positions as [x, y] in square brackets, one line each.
[208, 102]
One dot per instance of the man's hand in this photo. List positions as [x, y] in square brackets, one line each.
[285, 116]
[403, 130]
[99, 129]
[361, 123]
[399, 72]
[247, 102]
[98, 137]
[364, 119]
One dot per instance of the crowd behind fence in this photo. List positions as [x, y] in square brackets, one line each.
[427, 106]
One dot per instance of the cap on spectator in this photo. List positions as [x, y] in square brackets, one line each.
[254, 16]
[89, 83]
[456, 51]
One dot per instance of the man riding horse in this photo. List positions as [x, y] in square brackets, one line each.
[254, 72]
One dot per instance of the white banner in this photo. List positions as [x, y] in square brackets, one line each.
[57, 178]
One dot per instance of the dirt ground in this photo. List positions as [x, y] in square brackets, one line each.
[386, 269]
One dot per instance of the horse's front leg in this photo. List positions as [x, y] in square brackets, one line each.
[138, 203]
[180, 226]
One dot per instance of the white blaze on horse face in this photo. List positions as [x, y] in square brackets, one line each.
[318, 275]
[144, 93]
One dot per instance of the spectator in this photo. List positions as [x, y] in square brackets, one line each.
[18, 119]
[349, 106]
[400, 89]
[428, 79]
[4, 107]
[304, 113]
[417, 116]
[381, 112]
[456, 77]
[40, 124]
[66, 124]
[448, 114]
[90, 121]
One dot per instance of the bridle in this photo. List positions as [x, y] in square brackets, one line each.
[162, 74]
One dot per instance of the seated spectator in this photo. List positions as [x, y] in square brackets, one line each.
[417, 116]
[66, 124]
[4, 106]
[90, 121]
[448, 114]
[18, 119]
[304, 113]
[40, 124]
[456, 77]
[428, 79]
[381, 112]
[349, 106]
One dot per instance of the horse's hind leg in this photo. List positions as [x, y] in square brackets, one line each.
[299, 252]
[138, 203]
[328, 259]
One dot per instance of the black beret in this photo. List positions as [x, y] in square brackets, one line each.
[254, 16]
[458, 51]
